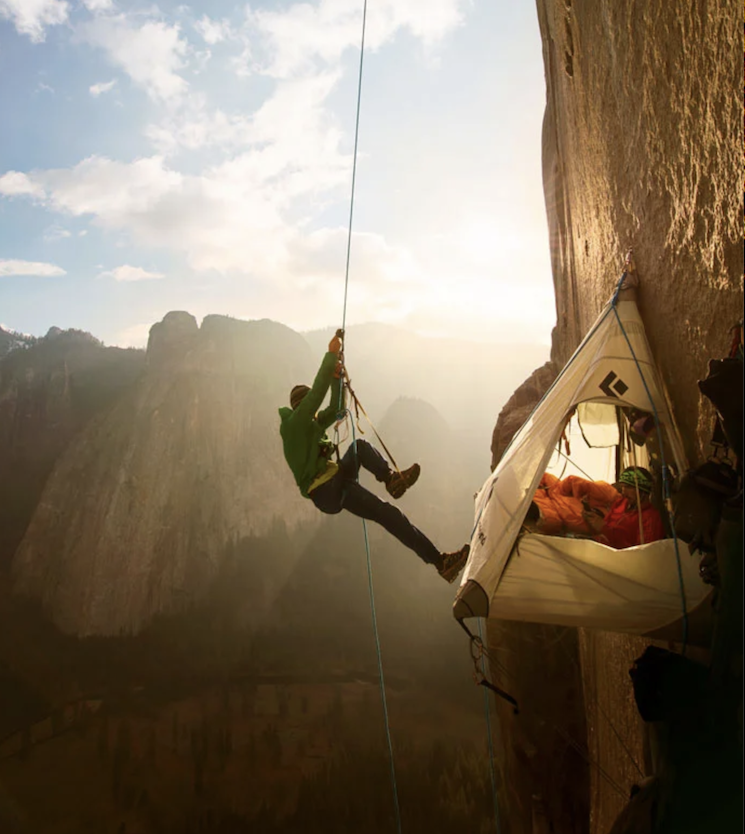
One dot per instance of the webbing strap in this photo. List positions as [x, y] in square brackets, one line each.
[358, 407]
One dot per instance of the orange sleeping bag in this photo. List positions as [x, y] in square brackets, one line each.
[560, 505]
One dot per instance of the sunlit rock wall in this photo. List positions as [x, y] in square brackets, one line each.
[642, 148]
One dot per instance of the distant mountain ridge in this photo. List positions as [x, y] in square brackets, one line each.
[155, 488]
[11, 340]
[176, 455]
[50, 388]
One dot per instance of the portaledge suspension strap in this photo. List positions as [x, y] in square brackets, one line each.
[476, 646]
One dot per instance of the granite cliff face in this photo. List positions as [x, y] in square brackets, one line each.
[50, 388]
[140, 507]
[642, 149]
[518, 408]
[183, 468]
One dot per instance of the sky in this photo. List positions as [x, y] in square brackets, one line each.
[169, 156]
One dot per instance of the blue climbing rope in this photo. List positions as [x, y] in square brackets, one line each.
[342, 413]
[354, 165]
[490, 743]
[379, 653]
[665, 471]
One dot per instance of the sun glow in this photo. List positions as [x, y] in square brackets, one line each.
[481, 241]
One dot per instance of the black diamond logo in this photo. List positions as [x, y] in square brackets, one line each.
[613, 386]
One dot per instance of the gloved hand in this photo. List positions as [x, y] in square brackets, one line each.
[335, 343]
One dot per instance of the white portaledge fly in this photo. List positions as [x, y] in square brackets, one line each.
[512, 574]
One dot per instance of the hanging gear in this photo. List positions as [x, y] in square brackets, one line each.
[723, 386]
[359, 408]
[667, 686]
[478, 652]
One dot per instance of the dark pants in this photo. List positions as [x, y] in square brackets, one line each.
[343, 492]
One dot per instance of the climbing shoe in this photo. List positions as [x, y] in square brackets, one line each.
[399, 482]
[453, 563]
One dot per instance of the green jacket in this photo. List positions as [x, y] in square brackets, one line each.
[307, 448]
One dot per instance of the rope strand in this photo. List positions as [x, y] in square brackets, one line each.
[354, 443]
[487, 711]
[354, 166]
[379, 654]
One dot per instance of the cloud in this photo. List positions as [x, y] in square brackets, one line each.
[114, 192]
[301, 47]
[292, 123]
[232, 216]
[42, 87]
[12, 267]
[303, 34]
[98, 5]
[200, 59]
[17, 184]
[131, 273]
[383, 277]
[55, 233]
[102, 87]
[245, 214]
[31, 17]
[151, 53]
[213, 31]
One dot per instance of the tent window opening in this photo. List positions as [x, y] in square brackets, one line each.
[576, 497]
[592, 448]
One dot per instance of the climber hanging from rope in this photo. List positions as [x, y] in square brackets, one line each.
[333, 485]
